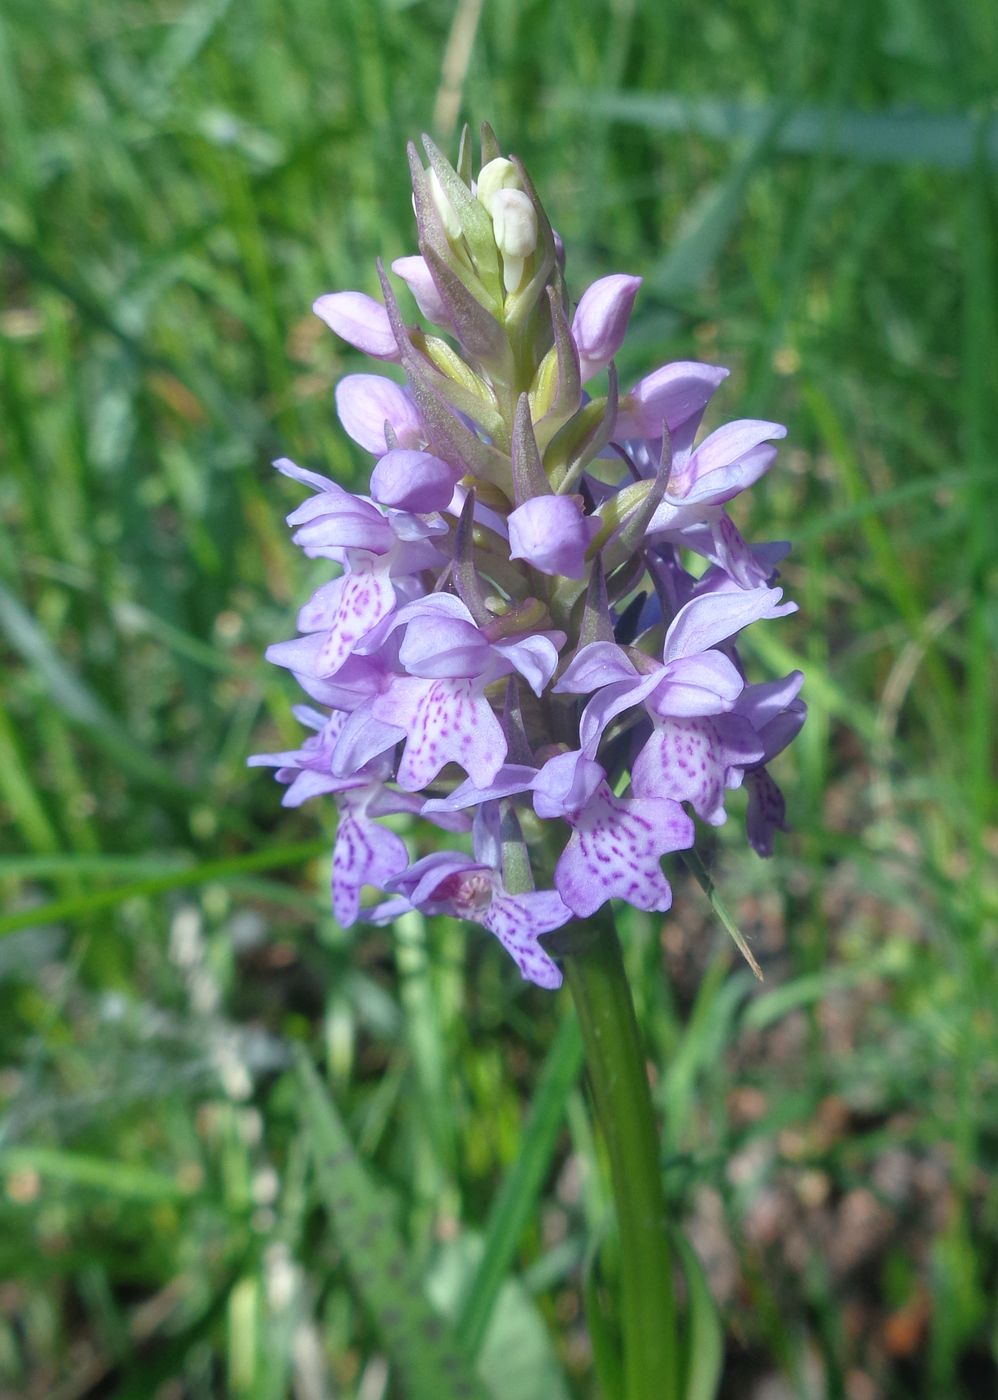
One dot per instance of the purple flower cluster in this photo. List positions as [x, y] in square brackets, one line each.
[518, 643]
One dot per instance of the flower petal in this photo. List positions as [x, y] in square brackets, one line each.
[553, 534]
[676, 395]
[703, 622]
[418, 278]
[705, 684]
[766, 813]
[566, 784]
[615, 852]
[726, 462]
[445, 722]
[595, 665]
[360, 321]
[415, 481]
[365, 402]
[600, 321]
[518, 920]
[365, 854]
[361, 603]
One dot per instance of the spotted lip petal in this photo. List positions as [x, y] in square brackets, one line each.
[450, 883]
[615, 851]
[365, 854]
[445, 721]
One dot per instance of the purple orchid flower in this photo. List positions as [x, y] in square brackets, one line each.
[508, 637]
[465, 888]
[440, 703]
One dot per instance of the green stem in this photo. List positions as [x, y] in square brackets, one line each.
[616, 1066]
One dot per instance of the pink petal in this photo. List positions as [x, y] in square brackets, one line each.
[615, 852]
[360, 321]
[705, 684]
[595, 665]
[703, 622]
[365, 854]
[418, 278]
[600, 321]
[361, 603]
[415, 481]
[445, 723]
[674, 395]
[517, 920]
[365, 402]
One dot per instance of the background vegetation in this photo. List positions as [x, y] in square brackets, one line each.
[808, 191]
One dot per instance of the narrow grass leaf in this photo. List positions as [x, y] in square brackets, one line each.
[704, 1333]
[516, 1200]
[97, 1173]
[430, 1364]
[948, 140]
[75, 906]
[76, 701]
[708, 224]
[705, 880]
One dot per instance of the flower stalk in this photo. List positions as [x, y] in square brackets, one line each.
[615, 1064]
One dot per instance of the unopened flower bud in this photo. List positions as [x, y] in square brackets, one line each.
[499, 174]
[600, 321]
[514, 222]
[415, 481]
[552, 533]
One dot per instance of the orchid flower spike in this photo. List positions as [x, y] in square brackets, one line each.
[511, 644]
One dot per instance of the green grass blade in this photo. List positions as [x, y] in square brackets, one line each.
[704, 1333]
[429, 1361]
[944, 139]
[79, 704]
[209, 870]
[516, 1200]
[705, 880]
[706, 227]
[76, 1169]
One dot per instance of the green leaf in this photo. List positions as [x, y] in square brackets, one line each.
[949, 140]
[430, 1363]
[704, 1333]
[76, 701]
[96, 1173]
[517, 1358]
[706, 882]
[74, 906]
[516, 1199]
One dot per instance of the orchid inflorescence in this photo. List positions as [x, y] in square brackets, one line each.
[515, 646]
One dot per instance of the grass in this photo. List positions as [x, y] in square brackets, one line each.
[809, 195]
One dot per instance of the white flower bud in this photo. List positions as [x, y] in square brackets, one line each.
[499, 174]
[514, 223]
